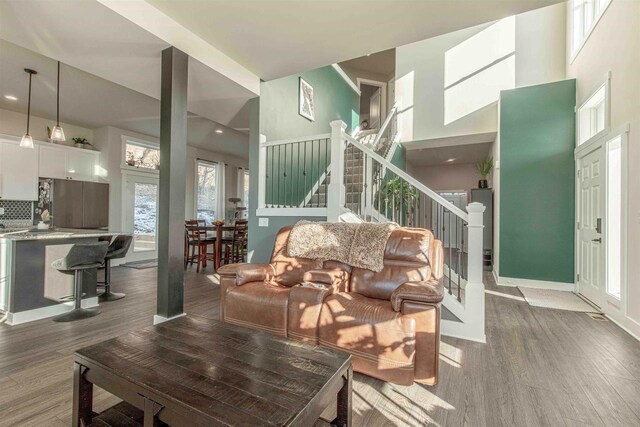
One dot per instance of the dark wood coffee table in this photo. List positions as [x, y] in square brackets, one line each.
[194, 371]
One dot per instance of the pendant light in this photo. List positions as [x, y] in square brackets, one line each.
[57, 134]
[27, 141]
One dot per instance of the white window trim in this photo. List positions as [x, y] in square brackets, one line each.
[195, 183]
[606, 83]
[123, 153]
[596, 19]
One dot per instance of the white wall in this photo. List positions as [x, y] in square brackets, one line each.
[614, 45]
[420, 74]
[13, 123]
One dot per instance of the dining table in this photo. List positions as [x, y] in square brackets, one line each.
[218, 230]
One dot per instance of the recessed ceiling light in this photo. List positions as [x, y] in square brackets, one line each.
[218, 130]
[11, 97]
[450, 160]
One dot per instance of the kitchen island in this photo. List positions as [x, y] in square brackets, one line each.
[30, 289]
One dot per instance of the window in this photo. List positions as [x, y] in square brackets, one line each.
[584, 17]
[614, 217]
[593, 115]
[245, 188]
[145, 216]
[206, 190]
[141, 155]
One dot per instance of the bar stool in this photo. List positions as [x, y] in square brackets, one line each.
[81, 256]
[117, 249]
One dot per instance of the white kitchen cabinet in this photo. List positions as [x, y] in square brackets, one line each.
[81, 165]
[53, 162]
[18, 172]
[67, 163]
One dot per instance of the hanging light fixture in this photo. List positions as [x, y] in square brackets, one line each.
[57, 134]
[27, 141]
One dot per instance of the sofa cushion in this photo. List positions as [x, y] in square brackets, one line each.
[406, 259]
[381, 340]
[289, 271]
[258, 305]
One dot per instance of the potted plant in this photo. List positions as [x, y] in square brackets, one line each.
[484, 167]
[81, 142]
[399, 200]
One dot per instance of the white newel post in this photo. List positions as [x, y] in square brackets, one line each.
[262, 172]
[474, 291]
[335, 194]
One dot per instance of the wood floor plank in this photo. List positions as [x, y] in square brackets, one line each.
[539, 366]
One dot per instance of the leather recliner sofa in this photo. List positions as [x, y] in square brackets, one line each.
[389, 321]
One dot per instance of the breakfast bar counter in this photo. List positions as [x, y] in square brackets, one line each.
[30, 288]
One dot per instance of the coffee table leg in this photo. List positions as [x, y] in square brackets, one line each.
[344, 401]
[82, 397]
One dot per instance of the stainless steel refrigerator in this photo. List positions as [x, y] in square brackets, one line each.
[79, 204]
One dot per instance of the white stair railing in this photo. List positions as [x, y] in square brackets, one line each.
[390, 194]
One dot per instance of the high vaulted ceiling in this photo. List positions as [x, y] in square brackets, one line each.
[276, 38]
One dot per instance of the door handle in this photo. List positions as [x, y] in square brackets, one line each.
[599, 240]
[599, 225]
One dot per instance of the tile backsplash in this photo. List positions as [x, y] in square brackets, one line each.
[17, 213]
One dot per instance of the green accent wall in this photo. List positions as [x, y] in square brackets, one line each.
[275, 115]
[537, 187]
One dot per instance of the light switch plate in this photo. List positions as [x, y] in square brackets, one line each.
[263, 222]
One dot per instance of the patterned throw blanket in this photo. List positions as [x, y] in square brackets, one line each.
[357, 244]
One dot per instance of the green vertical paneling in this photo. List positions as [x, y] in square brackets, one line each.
[276, 116]
[537, 196]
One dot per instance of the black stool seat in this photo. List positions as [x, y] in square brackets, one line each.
[117, 249]
[81, 256]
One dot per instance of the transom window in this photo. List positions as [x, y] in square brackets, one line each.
[141, 155]
[593, 115]
[584, 17]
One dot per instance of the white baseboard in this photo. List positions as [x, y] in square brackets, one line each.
[514, 282]
[161, 319]
[627, 324]
[49, 311]
[450, 328]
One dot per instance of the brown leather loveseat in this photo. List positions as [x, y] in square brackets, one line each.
[389, 321]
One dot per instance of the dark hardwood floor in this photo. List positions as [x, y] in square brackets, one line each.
[539, 367]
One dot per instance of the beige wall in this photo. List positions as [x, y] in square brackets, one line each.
[12, 123]
[614, 45]
[447, 177]
[420, 80]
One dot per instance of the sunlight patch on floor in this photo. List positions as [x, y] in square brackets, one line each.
[500, 294]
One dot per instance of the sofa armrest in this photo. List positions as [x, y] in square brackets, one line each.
[245, 273]
[430, 292]
[335, 277]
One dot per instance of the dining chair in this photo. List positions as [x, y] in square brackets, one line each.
[196, 245]
[236, 249]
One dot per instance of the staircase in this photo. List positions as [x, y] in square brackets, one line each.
[355, 180]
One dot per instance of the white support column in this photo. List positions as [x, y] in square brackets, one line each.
[262, 172]
[474, 318]
[335, 194]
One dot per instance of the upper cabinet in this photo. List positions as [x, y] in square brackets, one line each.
[67, 163]
[18, 172]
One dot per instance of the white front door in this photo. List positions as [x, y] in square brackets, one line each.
[591, 255]
[141, 214]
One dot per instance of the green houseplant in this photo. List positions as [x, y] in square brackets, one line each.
[484, 167]
[81, 142]
[400, 200]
